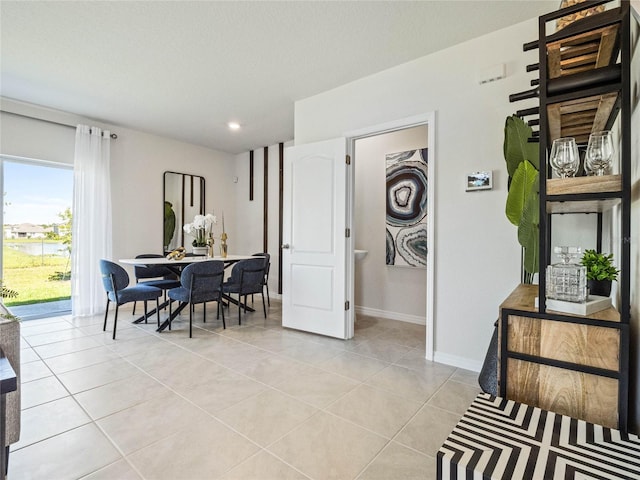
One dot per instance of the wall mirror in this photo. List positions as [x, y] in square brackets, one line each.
[183, 196]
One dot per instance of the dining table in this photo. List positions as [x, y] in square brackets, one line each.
[177, 265]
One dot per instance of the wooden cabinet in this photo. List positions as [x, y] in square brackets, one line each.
[569, 364]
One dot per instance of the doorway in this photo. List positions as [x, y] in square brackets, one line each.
[382, 287]
[36, 241]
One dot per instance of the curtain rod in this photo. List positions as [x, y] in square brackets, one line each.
[113, 135]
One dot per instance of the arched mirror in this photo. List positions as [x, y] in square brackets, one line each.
[183, 199]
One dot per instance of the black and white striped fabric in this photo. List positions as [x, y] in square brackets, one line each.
[503, 439]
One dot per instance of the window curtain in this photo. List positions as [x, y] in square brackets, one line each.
[91, 228]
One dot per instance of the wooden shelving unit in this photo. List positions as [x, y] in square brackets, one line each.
[572, 364]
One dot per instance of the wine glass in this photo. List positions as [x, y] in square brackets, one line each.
[565, 158]
[599, 152]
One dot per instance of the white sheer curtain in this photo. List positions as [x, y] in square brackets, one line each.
[91, 232]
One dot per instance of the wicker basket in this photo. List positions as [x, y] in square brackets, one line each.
[568, 19]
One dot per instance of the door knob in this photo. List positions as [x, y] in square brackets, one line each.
[285, 245]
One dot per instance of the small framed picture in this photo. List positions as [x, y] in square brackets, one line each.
[479, 181]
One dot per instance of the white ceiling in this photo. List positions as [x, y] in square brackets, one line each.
[183, 69]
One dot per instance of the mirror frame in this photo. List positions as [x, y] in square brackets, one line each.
[184, 202]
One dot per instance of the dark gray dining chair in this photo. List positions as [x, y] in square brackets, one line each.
[247, 278]
[115, 280]
[200, 282]
[158, 276]
[267, 267]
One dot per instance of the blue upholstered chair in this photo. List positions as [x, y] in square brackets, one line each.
[247, 278]
[201, 282]
[267, 267]
[158, 276]
[116, 283]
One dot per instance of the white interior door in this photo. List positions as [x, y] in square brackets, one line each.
[314, 221]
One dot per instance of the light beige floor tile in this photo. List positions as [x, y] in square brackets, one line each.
[83, 358]
[263, 466]
[375, 409]
[228, 389]
[66, 346]
[415, 360]
[96, 375]
[273, 370]
[28, 355]
[267, 416]
[70, 455]
[54, 337]
[400, 462]
[414, 385]
[123, 333]
[119, 395]
[183, 375]
[33, 371]
[353, 365]
[317, 387]
[49, 419]
[233, 354]
[29, 329]
[148, 422]
[311, 353]
[381, 350]
[150, 343]
[273, 341]
[206, 451]
[455, 397]
[466, 376]
[41, 391]
[155, 354]
[329, 448]
[120, 470]
[428, 430]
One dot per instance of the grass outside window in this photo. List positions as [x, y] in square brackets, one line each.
[36, 278]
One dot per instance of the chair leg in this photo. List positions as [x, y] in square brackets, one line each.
[170, 314]
[268, 299]
[145, 312]
[158, 311]
[239, 309]
[115, 322]
[134, 308]
[190, 321]
[224, 325]
[264, 308]
[204, 312]
[106, 312]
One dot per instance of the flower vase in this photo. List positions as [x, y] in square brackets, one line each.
[223, 245]
[200, 250]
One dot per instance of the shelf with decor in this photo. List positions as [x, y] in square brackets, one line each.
[570, 363]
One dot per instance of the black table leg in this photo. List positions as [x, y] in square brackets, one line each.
[174, 314]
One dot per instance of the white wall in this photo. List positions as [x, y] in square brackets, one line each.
[397, 292]
[250, 233]
[477, 254]
[138, 161]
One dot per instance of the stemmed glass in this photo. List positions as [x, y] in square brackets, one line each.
[599, 152]
[565, 158]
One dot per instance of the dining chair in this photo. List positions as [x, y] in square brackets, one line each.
[115, 280]
[158, 276]
[199, 283]
[247, 277]
[267, 267]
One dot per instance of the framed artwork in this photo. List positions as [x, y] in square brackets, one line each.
[407, 194]
[479, 181]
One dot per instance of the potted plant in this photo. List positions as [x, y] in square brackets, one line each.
[600, 272]
[201, 230]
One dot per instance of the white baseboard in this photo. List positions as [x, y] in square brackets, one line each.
[456, 361]
[402, 317]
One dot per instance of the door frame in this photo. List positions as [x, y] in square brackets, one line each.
[428, 119]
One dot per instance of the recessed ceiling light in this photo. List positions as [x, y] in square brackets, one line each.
[233, 125]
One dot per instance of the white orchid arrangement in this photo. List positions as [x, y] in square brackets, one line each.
[200, 229]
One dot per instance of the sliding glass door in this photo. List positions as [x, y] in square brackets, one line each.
[36, 240]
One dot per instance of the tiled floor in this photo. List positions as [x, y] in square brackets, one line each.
[250, 402]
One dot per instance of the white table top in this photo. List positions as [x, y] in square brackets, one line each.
[183, 261]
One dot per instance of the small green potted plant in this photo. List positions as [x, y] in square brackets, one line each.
[600, 272]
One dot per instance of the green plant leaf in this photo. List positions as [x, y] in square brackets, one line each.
[529, 228]
[516, 147]
[523, 179]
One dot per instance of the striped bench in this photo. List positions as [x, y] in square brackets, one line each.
[503, 439]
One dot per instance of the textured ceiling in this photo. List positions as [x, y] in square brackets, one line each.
[184, 69]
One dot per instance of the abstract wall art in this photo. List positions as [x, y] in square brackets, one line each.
[406, 227]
